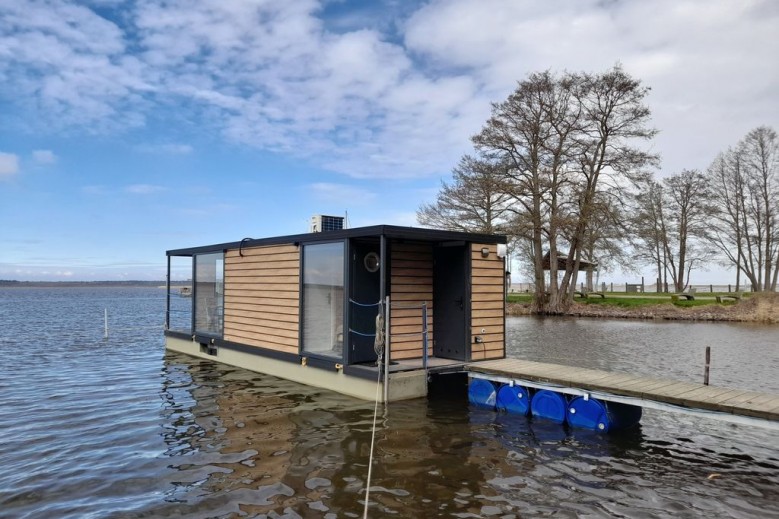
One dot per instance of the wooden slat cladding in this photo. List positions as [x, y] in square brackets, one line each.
[262, 297]
[487, 303]
[411, 283]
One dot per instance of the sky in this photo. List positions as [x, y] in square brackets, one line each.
[132, 127]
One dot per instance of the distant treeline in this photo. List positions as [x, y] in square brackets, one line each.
[46, 284]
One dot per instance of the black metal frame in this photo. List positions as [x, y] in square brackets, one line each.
[301, 313]
[193, 329]
[167, 297]
[385, 234]
[388, 231]
[469, 298]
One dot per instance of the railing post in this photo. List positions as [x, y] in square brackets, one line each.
[167, 297]
[706, 369]
[387, 341]
[424, 337]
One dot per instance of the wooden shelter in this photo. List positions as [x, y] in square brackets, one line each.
[562, 263]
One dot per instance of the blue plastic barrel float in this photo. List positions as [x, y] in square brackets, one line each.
[482, 393]
[513, 399]
[549, 405]
[603, 416]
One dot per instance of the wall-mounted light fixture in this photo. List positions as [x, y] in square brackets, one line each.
[485, 252]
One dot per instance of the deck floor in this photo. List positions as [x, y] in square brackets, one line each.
[686, 394]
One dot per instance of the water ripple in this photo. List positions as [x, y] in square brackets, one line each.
[118, 428]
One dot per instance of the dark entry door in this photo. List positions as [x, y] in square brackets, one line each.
[364, 294]
[450, 303]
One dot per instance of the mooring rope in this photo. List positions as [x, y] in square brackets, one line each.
[362, 334]
[373, 440]
[378, 346]
[378, 342]
[365, 305]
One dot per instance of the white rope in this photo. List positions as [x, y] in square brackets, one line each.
[378, 346]
[373, 438]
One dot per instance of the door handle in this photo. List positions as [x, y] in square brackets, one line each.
[459, 301]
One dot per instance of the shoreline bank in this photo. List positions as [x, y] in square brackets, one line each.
[759, 308]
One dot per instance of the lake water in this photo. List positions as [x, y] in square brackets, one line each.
[120, 428]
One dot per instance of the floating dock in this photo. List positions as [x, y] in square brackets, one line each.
[734, 405]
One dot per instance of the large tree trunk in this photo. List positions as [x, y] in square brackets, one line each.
[540, 299]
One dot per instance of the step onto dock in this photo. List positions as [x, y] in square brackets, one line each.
[665, 394]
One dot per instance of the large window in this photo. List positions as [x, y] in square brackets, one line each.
[323, 299]
[209, 294]
[180, 296]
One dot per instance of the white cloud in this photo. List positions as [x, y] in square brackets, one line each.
[44, 157]
[69, 65]
[706, 61]
[144, 189]
[271, 75]
[9, 165]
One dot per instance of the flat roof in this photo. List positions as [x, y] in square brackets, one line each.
[390, 231]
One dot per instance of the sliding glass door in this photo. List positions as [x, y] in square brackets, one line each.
[209, 294]
[323, 299]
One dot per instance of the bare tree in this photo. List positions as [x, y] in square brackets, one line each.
[760, 152]
[649, 230]
[475, 201]
[530, 133]
[615, 118]
[746, 196]
[605, 242]
[688, 213]
[567, 148]
[569, 140]
[729, 197]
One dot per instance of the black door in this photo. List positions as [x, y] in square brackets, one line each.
[450, 303]
[364, 274]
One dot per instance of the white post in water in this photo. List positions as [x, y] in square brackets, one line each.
[106, 324]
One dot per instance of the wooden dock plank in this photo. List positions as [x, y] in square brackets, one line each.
[686, 394]
[717, 400]
[739, 400]
[673, 393]
[704, 394]
[642, 386]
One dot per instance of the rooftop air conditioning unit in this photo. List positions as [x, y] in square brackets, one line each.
[321, 223]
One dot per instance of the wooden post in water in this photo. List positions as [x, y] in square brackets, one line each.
[706, 369]
[106, 324]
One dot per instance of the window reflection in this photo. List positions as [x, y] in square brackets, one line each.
[323, 299]
[209, 293]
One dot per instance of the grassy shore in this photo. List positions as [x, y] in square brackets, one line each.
[763, 308]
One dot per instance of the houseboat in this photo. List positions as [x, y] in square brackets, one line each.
[318, 308]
